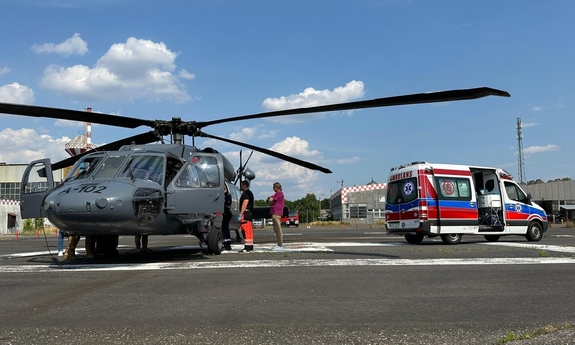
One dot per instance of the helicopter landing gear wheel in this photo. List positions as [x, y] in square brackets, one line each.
[215, 241]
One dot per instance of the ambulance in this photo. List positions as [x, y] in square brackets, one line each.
[446, 200]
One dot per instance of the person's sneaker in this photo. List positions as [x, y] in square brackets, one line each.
[60, 253]
[227, 247]
[246, 250]
[278, 249]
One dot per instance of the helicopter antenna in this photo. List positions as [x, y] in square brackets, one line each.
[240, 170]
[242, 167]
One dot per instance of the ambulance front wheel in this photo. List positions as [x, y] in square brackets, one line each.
[451, 238]
[534, 232]
[414, 239]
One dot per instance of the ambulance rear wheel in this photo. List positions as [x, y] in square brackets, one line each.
[215, 241]
[534, 232]
[451, 238]
[414, 239]
[492, 238]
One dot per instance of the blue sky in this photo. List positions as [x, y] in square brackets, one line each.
[206, 60]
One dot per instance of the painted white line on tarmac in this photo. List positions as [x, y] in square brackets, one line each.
[561, 249]
[282, 263]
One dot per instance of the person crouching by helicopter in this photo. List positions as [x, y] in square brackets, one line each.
[247, 204]
[227, 217]
[141, 243]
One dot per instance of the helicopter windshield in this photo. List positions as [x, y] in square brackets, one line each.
[84, 167]
[109, 167]
[203, 171]
[145, 167]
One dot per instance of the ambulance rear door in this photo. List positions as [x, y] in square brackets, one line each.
[402, 205]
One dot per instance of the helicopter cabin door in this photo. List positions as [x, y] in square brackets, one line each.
[198, 187]
[36, 181]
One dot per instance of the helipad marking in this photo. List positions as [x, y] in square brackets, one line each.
[294, 247]
[534, 246]
[54, 253]
[283, 263]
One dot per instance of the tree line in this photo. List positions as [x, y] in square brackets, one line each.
[308, 207]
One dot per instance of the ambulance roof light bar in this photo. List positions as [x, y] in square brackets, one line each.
[406, 165]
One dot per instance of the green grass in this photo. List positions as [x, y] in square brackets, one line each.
[512, 336]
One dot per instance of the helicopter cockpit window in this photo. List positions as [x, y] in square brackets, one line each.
[189, 177]
[203, 171]
[83, 168]
[109, 167]
[144, 167]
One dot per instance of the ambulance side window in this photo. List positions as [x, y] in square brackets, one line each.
[514, 192]
[452, 188]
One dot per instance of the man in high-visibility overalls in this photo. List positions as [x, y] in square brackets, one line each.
[246, 208]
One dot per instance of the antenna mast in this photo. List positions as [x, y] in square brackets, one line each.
[520, 162]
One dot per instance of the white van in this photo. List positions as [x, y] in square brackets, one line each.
[452, 200]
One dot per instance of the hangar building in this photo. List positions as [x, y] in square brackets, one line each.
[360, 204]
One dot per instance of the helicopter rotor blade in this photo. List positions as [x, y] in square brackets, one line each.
[270, 153]
[144, 138]
[418, 98]
[73, 115]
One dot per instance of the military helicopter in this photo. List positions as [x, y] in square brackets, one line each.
[134, 186]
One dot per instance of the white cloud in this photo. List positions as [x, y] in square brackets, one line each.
[350, 160]
[244, 134]
[16, 93]
[135, 69]
[72, 46]
[311, 97]
[294, 146]
[4, 70]
[258, 132]
[529, 124]
[69, 123]
[537, 108]
[539, 149]
[187, 75]
[296, 180]
[27, 145]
